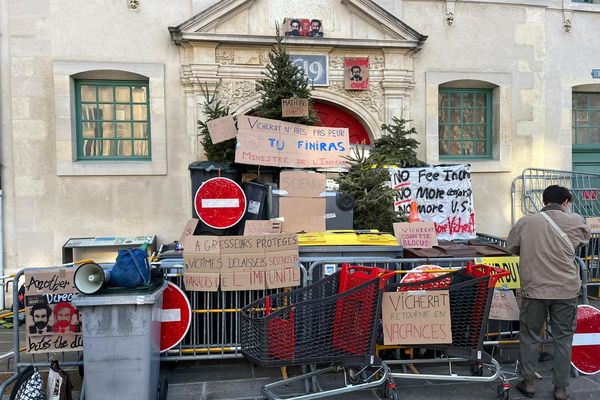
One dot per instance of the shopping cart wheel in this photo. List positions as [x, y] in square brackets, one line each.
[356, 375]
[163, 389]
[476, 370]
[390, 391]
[502, 392]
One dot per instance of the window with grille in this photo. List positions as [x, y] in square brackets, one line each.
[465, 123]
[586, 118]
[113, 120]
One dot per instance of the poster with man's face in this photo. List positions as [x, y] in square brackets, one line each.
[303, 27]
[52, 322]
[356, 73]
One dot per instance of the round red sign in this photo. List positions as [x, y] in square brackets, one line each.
[176, 317]
[220, 203]
[585, 356]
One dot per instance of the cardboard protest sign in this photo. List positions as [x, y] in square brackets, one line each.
[418, 317]
[511, 264]
[302, 214]
[201, 281]
[594, 223]
[236, 262]
[294, 107]
[257, 227]
[302, 184]
[221, 129]
[420, 235]
[356, 73]
[283, 278]
[189, 229]
[504, 306]
[443, 195]
[269, 142]
[244, 280]
[52, 323]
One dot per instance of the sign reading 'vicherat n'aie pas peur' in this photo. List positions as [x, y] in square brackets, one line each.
[270, 142]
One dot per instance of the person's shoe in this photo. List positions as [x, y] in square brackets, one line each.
[527, 387]
[560, 393]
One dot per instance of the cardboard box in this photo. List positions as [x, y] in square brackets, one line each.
[302, 184]
[302, 214]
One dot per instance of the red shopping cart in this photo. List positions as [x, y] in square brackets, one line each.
[470, 291]
[332, 321]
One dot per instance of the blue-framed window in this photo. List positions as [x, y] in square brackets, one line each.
[586, 119]
[465, 123]
[113, 120]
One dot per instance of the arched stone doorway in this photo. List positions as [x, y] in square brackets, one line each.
[336, 117]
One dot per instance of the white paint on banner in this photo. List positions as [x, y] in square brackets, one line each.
[443, 195]
[220, 203]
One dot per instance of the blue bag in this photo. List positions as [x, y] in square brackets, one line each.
[131, 269]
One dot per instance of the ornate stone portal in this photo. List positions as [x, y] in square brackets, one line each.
[216, 56]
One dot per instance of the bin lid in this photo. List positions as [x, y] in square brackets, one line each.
[225, 167]
[369, 237]
[121, 296]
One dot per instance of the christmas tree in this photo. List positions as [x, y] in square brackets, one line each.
[213, 109]
[283, 80]
[374, 207]
[394, 147]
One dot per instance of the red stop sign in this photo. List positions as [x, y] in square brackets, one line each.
[175, 317]
[585, 356]
[220, 203]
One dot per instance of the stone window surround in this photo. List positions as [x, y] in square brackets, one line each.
[502, 82]
[65, 123]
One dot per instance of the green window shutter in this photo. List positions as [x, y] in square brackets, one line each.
[465, 123]
[586, 120]
[113, 120]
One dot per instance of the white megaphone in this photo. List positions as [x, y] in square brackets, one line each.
[90, 278]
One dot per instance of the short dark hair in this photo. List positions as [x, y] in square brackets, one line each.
[555, 194]
[355, 66]
[296, 21]
[318, 21]
[41, 306]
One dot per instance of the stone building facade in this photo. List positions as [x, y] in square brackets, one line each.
[528, 59]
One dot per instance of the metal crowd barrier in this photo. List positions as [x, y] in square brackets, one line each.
[590, 256]
[214, 330]
[527, 189]
[21, 359]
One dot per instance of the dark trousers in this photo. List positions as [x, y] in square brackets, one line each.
[563, 318]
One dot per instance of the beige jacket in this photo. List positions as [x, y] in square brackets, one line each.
[546, 266]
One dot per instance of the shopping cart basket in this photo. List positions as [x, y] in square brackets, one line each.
[471, 290]
[332, 321]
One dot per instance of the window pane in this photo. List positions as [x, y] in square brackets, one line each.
[140, 112]
[594, 135]
[88, 112]
[443, 132]
[140, 130]
[468, 100]
[595, 101]
[140, 148]
[106, 112]
[468, 148]
[90, 147]
[454, 149]
[581, 118]
[594, 118]
[123, 112]
[443, 148]
[456, 132]
[122, 93]
[455, 100]
[582, 136]
[478, 116]
[108, 130]
[455, 116]
[124, 130]
[479, 99]
[108, 148]
[88, 93]
[481, 148]
[124, 148]
[480, 132]
[105, 93]
[89, 129]
[580, 101]
[139, 94]
[467, 132]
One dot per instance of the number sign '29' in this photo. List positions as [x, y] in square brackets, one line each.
[314, 66]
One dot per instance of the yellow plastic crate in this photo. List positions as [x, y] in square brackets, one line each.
[371, 237]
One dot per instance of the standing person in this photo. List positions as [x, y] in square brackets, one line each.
[550, 284]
